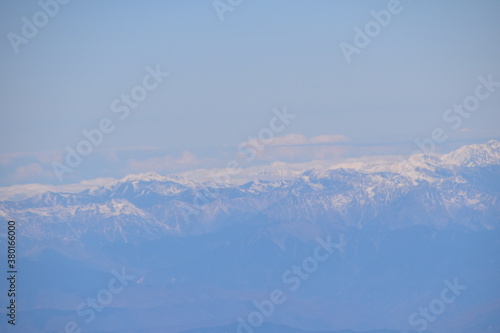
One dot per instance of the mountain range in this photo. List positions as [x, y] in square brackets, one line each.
[202, 254]
[456, 190]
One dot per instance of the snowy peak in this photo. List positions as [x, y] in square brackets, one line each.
[435, 190]
[475, 155]
[429, 167]
[259, 186]
[150, 177]
[144, 183]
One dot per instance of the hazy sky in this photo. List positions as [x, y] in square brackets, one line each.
[226, 76]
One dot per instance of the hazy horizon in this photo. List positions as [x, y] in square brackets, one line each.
[225, 78]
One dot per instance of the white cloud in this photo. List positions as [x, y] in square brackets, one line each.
[19, 192]
[163, 164]
[293, 147]
[277, 170]
[44, 157]
[280, 170]
[29, 171]
[289, 139]
[325, 138]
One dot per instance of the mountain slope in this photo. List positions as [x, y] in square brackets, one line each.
[456, 190]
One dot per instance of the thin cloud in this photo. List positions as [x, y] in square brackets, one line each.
[20, 192]
[293, 147]
[29, 171]
[163, 164]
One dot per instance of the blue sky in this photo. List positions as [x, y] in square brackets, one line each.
[227, 76]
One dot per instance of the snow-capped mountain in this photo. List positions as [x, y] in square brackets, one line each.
[456, 190]
[397, 231]
[475, 155]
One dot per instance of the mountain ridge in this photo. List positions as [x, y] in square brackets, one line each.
[458, 189]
